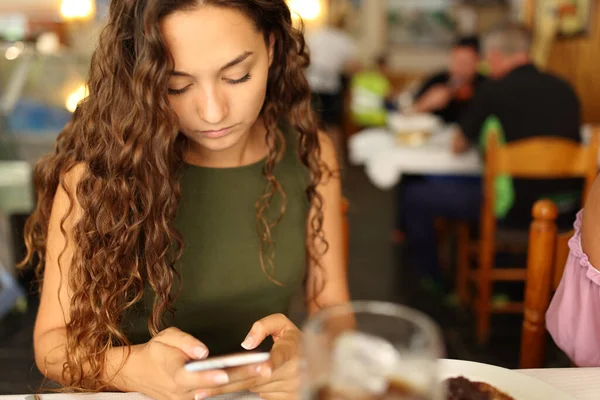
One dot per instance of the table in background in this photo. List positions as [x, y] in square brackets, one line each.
[386, 161]
[16, 187]
[16, 197]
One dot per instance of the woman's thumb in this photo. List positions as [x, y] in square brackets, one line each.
[192, 347]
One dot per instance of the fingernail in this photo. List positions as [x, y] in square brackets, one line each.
[248, 343]
[264, 371]
[221, 378]
[200, 352]
[201, 396]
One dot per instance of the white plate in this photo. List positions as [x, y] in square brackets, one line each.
[513, 383]
[400, 123]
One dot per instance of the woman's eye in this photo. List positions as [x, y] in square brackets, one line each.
[175, 92]
[243, 79]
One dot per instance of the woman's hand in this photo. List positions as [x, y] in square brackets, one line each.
[284, 382]
[280, 376]
[157, 369]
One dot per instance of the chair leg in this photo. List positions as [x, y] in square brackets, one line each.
[484, 295]
[442, 228]
[483, 316]
[462, 263]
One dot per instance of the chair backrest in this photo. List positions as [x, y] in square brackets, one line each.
[537, 157]
[546, 259]
[544, 157]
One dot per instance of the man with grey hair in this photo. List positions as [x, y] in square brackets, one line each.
[507, 47]
[520, 102]
[526, 101]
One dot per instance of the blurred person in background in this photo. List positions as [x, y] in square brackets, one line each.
[449, 93]
[194, 157]
[371, 95]
[520, 102]
[333, 55]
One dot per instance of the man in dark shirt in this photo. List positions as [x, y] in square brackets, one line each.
[449, 93]
[527, 103]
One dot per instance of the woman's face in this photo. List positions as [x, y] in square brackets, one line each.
[219, 82]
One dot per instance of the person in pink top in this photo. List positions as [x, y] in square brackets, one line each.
[573, 318]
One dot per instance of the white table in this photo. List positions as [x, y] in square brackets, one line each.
[16, 188]
[582, 383]
[16, 177]
[16, 196]
[386, 161]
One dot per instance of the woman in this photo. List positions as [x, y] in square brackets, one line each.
[185, 194]
[573, 317]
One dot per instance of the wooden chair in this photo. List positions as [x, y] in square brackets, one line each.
[546, 259]
[346, 230]
[537, 158]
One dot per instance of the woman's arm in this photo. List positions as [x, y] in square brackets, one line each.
[590, 226]
[49, 336]
[573, 318]
[154, 368]
[327, 284]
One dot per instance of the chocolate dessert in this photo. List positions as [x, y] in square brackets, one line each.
[460, 388]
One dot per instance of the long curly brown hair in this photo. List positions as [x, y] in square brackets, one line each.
[127, 137]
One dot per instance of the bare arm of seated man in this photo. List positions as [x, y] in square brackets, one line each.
[435, 98]
[460, 143]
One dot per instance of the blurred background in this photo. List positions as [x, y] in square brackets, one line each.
[394, 47]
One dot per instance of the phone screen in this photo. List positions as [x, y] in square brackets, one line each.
[223, 362]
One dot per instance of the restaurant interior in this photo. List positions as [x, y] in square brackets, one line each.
[495, 282]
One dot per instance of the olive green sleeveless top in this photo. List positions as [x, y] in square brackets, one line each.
[224, 290]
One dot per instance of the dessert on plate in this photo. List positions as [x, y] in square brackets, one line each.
[461, 388]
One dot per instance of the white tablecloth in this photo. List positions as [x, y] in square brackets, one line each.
[16, 197]
[16, 188]
[385, 161]
[582, 383]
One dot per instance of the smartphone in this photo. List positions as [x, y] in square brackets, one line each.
[223, 362]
